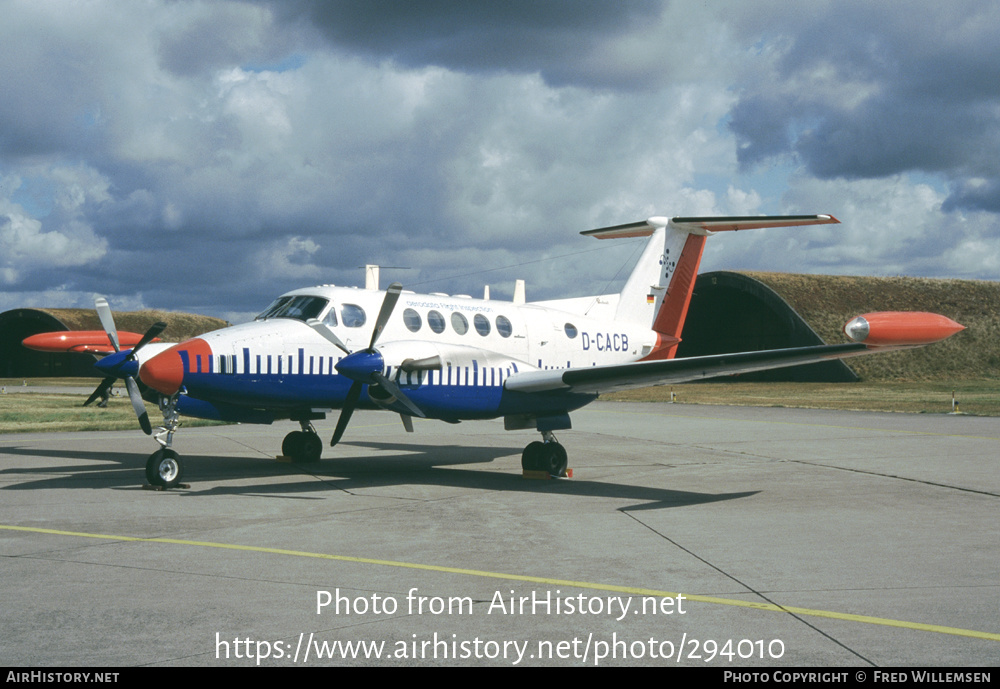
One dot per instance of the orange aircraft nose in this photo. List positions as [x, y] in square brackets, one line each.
[164, 372]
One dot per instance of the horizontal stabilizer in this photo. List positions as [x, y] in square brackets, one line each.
[707, 225]
[749, 222]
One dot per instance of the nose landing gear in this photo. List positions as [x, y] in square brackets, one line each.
[164, 468]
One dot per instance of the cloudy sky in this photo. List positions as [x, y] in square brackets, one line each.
[208, 155]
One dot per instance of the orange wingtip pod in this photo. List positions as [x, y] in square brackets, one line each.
[900, 328]
[94, 341]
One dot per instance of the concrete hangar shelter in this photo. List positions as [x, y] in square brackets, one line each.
[730, 312]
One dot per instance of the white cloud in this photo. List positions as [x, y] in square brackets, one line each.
[166, 134]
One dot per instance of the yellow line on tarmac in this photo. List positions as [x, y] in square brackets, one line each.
[633, 590]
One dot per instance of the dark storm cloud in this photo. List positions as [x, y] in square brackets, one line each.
[208, 154]
[560, 39]
[864, 90]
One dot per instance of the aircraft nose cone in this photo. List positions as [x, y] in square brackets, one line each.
[164, 372]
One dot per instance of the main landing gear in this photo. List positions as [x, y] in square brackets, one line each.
[303, 446]
[164, 468]
[546, 455]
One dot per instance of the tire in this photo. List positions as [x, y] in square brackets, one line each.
[291, 446]
[556, 459]
[312, 448]
[302, 447]
[532, 459]
[164, 468]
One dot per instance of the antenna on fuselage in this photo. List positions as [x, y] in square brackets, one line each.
[519, 291]
[371, 274]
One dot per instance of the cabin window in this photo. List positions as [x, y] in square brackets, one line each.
[504, 327]
[412, 321]
[570, 330]
[459, 323]
[353, 315]
[435, 321]
[482, 324]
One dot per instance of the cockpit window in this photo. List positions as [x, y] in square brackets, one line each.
[274, 306]
[301, 308]
[353, 315]
[330, 320]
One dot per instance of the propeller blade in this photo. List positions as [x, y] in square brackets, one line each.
[154, 331]
[394, 390]
[407, 422]
[104, 313]
[101, 389]
[345, 414]
[330, 336]
[388, 304]
[137, 405]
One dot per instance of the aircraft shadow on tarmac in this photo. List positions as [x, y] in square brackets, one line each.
[396, 464]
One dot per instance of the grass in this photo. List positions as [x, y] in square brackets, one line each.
[978, 397]
[48, 412]
[45, 412]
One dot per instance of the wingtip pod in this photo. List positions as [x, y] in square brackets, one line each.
[900, 328]
[95, 341]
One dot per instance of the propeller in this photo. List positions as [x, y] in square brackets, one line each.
[365, 366]
[122, 364]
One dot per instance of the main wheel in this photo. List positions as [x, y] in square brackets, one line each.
[532, 459]
[556, 459]
[301, 446]
[164, 468]
[312, 447]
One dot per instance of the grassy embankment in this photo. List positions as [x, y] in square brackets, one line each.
[918, 380]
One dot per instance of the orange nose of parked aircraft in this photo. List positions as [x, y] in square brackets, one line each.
[164, 372]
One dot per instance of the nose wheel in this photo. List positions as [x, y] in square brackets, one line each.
[164, 468]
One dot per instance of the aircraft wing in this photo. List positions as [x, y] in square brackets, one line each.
[872, 333]
[598, 379]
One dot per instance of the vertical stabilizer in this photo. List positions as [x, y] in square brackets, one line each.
[658, 292]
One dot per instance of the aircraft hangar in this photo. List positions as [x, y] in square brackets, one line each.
[734, 312]
[19, 362]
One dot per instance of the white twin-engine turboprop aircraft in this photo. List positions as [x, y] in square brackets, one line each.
[455, 358]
